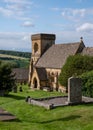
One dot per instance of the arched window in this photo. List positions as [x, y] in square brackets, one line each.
[35, 47]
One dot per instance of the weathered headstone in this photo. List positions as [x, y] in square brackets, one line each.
[74, 90]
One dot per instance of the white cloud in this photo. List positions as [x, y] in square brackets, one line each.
[74, 36]
[10, 12]
[77, 15]
[19, 5]
[26, 37]
[18, 1]
[5, 11]
[80, 12]
[73, 14]
[19, 41]
[28, 24]
[68, 36]
[86, 27]
[18, 9]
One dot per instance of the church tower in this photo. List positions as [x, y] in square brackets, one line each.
[40, 43]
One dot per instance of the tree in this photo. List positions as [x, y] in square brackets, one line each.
[7, 80]
[87, 83]
[75, 65]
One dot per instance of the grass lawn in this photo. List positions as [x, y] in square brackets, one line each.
[38, 118]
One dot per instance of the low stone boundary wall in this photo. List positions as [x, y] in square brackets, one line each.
[53, 102]
[87, 99]
[39, 102]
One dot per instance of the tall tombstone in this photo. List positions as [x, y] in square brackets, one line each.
[74, 90]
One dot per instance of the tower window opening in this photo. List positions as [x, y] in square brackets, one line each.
[35, 47]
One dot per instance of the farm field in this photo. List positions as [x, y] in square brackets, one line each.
[31, 117]
[12, 57]
[16, 61]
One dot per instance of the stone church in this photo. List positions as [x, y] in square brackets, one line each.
[48, 58]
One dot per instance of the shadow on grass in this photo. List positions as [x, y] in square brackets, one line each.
[69, 118]
[14, 120]
[88, 104]
[16, 97]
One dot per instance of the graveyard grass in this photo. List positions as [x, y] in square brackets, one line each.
[31, 117]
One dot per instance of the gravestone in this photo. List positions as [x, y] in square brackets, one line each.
[74, 90]
[14, 89]
[2, 92]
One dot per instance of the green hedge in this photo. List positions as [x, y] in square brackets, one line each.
[87, 83]
[75, 65]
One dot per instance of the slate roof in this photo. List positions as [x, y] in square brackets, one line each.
[41, 73]
[21, 73]
[57, 54]
[88, 51]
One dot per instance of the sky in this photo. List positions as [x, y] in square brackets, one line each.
[68, 19]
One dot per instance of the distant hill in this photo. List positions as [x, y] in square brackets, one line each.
[16, 53]
[15, 59]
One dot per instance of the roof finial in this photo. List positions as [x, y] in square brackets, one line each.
[81, 39]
